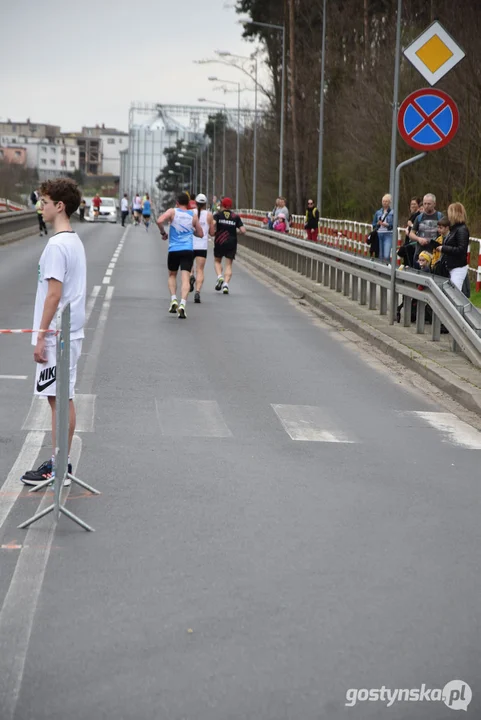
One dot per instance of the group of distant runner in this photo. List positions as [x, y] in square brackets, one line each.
[141, 210]
[191, 224]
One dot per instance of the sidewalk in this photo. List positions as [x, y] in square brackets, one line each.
[435, 361]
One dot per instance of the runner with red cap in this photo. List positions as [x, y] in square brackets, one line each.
[227, 224]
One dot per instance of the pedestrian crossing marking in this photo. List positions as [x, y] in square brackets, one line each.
[191, 418]
[453, 430]
[308, 423]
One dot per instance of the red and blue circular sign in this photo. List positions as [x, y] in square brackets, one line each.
[428, 119]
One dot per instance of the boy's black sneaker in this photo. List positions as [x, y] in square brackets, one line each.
[42, 473]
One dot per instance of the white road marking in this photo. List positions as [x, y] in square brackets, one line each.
[20, 604]
[13, 377]
[106, 281]
[39, 416]
[309, 424]
[108, 272]
[454, 431]
[12, 487]
[92, 358]
[191, 418]
[91, 302]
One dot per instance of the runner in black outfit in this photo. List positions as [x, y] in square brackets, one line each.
[227, 223]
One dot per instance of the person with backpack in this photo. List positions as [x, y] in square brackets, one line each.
[311, 224]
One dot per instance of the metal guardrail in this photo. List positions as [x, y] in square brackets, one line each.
[19, 220]
[367, 281]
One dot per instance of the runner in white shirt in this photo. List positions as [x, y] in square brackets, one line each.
[62, 279]
[206, 220]
[124, 208]
[137, 209]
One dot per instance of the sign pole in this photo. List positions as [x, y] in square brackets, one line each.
[395, 222]
[395, 100]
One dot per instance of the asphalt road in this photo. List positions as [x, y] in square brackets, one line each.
[281, 521]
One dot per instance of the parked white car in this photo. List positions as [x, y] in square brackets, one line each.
[108, 211]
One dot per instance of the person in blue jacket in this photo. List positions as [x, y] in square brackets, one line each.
[382, 223]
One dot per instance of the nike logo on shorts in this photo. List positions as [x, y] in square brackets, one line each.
[47, 377]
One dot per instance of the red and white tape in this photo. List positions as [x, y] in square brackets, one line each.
[17, 331]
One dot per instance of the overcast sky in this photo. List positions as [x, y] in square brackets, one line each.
[74, 64]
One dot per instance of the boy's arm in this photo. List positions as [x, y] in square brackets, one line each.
[50, 307]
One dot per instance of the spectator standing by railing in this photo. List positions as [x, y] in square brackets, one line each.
[455, 247]
[415, 209]
[424, 230]
[311, 224]
[382, 222]
[41, 223]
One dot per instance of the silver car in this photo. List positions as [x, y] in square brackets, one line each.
[107, 213]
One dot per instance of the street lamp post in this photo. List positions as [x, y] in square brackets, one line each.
[178, 174]
[213, 102]
[178, 164]
[237, 181]
[321, 114]
[254, 170]
[281, 28]
[194, 158]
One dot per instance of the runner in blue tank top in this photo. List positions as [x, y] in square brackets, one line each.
[184, 224]
[146, 211]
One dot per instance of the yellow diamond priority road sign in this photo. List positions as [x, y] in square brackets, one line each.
[434, 53]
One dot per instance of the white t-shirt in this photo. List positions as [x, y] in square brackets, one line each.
[63, 259]
[124, 205]
[137, 203]
[203, 242]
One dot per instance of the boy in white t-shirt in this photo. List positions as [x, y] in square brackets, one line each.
[62, 279]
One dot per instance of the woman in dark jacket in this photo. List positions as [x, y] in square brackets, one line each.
[456, 245]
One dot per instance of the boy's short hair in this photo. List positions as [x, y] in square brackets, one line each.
[65, 190]
[444, 221]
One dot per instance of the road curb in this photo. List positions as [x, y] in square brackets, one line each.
[463, 392]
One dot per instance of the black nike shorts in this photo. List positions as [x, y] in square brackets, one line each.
[182, 259]
[200, 253]
[226, 250]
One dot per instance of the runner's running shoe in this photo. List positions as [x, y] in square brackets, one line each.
[182, 313]
[192, 283]
[173, 306]
[197, 297]
[220, 282]
[225, 289]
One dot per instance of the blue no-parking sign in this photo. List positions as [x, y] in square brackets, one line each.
[428, 119]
